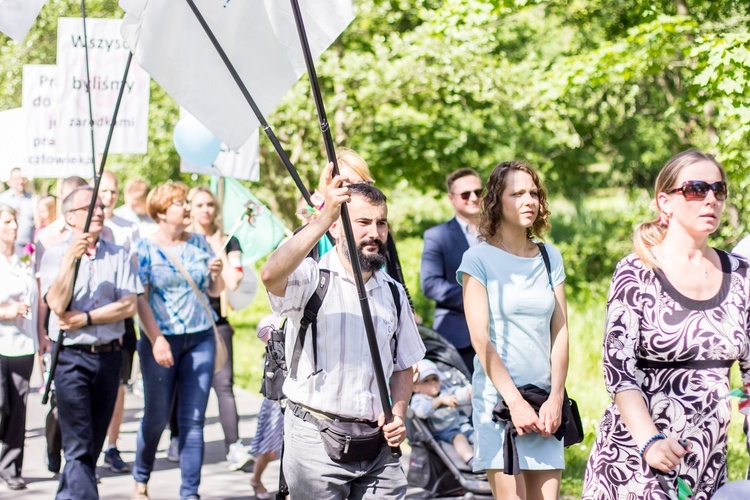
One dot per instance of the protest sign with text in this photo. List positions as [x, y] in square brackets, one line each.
[40, 106]
[107, 58]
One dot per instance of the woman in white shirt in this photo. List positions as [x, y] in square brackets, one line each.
[18, 299]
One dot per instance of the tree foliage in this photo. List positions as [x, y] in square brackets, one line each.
[597, 93]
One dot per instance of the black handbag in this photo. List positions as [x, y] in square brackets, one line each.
[570, 431]
[571, 419]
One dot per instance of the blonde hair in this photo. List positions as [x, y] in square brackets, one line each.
[137, 189]
[216, 222]
[346, 157]
[651, 233]
[50, 203]
[162, 197]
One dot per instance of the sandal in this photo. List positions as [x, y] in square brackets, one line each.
[260, 491]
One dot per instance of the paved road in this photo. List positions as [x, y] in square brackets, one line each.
[218, 482]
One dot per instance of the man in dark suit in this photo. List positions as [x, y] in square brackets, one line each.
[444, 247]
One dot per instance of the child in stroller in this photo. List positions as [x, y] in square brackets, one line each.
[435, 467]
[438, 405]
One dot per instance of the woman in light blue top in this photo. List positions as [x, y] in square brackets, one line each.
[516, 312]
[177, 344]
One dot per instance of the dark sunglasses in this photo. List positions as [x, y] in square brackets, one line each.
[467, 194]
[698, 190]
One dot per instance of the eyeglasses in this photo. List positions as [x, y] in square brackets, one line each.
[698, 190]
[181, 203]
[467, 194]
[100, 206]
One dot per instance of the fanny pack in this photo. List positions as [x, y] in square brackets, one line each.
[344, 440]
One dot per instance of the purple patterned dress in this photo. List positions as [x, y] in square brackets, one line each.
[647, 318]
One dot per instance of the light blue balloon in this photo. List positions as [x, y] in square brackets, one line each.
[195, 143]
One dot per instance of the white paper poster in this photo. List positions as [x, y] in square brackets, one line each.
[107, 58]
[38, 143]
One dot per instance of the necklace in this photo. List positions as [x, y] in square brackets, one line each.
[659, 259]
[701, 267]
[523, 250]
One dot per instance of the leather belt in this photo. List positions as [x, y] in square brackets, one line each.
[312, 416]
[113, 346]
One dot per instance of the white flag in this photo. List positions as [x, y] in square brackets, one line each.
[17, 17]
[243, 163]
[259, 37]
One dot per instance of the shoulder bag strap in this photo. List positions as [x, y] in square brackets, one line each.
[545, 258]
[174, 260]
[309, 318]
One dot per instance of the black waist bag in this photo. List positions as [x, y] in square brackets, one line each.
[351, 441]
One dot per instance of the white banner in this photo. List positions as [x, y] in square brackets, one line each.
[241, 164]
[107, 58]
[37, 127]
[18, 16]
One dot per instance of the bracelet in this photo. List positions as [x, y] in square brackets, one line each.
[650, 440]
[88, 319]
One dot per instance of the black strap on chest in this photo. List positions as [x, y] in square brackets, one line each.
[545, 258]
[308, 318]
[311, 314]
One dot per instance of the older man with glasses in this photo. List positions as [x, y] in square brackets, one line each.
[91, 315]
[444, 247]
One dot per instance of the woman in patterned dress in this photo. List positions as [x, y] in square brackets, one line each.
[677, 318]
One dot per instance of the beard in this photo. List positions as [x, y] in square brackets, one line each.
[369, 262]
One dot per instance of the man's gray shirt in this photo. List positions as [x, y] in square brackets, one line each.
[101, 280]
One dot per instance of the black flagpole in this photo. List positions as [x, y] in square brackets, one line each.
[258, 114]
[328, 139]
[92, 205]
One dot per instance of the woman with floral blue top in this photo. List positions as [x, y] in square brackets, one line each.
[177, 344]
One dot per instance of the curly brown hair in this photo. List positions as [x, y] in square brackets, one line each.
[491, 215]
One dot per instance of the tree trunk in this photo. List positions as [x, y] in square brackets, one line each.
[682, 8]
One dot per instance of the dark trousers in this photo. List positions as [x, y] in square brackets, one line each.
[86, 387]
[54, 436]
[15, 374]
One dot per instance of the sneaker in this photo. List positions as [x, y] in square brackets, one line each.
[113, 460]
[14, 483]
[140, 492]
[238, 456]
[173, 452]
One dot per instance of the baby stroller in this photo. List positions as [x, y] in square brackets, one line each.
[434, 466]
